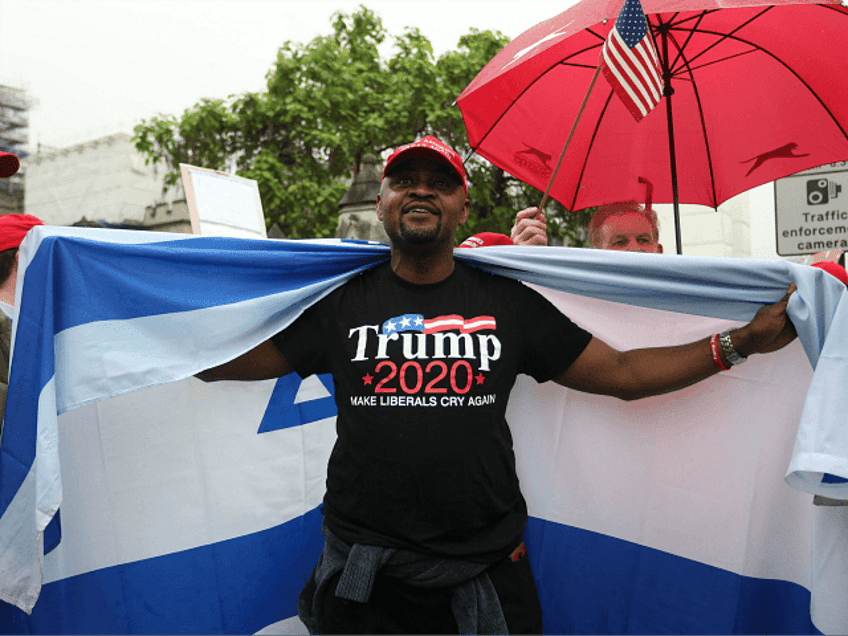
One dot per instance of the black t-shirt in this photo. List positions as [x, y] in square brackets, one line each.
[424, 459]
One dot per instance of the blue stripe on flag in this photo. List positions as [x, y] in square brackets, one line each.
[234, 587]
[591, 583]
[163, 277]
[604, 586]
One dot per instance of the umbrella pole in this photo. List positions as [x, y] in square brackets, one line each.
[668, 91]
[568, 141]
[673, 159]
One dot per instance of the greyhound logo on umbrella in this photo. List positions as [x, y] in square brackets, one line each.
[786, 151]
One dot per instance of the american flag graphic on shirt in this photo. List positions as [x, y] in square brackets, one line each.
[417, 322]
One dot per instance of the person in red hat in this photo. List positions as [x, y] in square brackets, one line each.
[486, 239]
[13, 229]
[834, 269]
[423, 514]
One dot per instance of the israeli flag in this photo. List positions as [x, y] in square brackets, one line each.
[195, 508]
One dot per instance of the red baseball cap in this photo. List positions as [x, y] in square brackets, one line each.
[13, 229]
[429, 145]
[485, 239]
[834, 269]
[9, 164]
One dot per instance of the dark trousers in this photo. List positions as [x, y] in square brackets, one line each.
[400, 608]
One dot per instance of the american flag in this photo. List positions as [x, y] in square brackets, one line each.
[417, 322]
[629, 61]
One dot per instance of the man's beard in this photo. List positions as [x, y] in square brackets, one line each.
[420, 236]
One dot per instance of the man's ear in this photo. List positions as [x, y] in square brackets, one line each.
[379, 209]
[659, 248]
[465, 211]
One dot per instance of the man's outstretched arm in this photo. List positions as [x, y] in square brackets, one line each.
[263, 362]
[640, 373]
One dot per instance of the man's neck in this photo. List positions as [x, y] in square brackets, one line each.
[422, 267]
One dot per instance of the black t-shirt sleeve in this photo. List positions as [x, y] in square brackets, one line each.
[552, 342]
[301, 343]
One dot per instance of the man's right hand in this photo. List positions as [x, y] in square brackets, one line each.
[530, 228]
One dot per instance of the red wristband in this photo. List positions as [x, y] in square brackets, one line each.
[715, 349]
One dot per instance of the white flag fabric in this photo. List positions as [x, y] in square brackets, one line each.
[194, 508]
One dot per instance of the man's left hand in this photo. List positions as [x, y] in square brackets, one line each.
[769, 331]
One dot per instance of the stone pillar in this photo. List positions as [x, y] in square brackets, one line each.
[357, 208]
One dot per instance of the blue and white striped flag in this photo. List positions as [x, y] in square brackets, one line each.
[194, 508]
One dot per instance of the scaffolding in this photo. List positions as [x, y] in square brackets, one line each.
[14, 136]
[14, 120]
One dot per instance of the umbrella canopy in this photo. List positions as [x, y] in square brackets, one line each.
[757, 92]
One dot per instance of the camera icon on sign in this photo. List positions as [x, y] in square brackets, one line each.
[820, 191]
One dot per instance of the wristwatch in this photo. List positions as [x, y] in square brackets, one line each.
[730, 352]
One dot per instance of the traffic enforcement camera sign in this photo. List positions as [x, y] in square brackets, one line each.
[811, 210]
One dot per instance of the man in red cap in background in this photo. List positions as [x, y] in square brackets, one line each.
[13, 228]
[423, 514]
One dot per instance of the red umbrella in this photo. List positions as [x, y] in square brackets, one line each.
[753, 93]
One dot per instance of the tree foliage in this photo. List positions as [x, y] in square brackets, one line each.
[331, 101]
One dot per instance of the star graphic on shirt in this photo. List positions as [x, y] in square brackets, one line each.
[390, 326]
[366, 379]
[419, 321]
[480, 378]
[404, 322]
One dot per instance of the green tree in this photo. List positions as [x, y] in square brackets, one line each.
[328, 103]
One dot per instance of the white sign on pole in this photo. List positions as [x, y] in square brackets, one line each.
[811, 210]
[222, 204]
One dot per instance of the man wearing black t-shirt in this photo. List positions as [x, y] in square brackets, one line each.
[423, 514]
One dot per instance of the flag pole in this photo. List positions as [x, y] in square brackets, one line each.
[568, 141]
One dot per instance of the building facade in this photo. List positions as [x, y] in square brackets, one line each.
[103, 182]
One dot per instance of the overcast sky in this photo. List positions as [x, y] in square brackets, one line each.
[96, 67]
